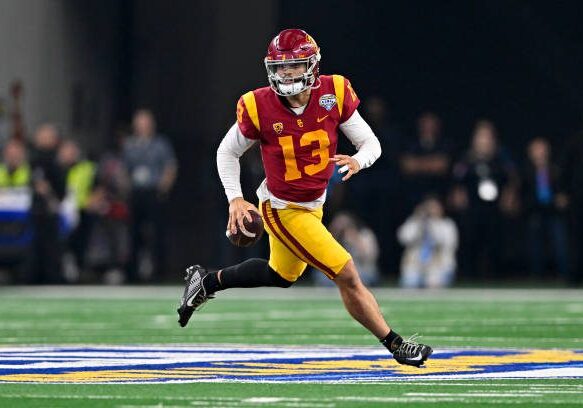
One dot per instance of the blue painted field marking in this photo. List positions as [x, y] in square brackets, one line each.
[228, 363]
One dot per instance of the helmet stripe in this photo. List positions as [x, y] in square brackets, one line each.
[251, 105]
[339, 91]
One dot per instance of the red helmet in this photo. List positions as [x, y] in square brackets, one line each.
[291, 48]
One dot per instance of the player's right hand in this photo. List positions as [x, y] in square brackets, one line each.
[238, 211]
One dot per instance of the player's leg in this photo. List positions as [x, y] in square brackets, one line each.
[201, 284]
[304, 234]
[360, 302]
[364, 308]
[252, 273]
[282, 270]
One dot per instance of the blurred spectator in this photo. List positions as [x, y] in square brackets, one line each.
[15, 198]
[425, 163]
[430, 241]
[14, 169]
[80, 177]
[545, 203]
[152, 168]
[361, 242]
[48, 185]
[110, 247]
[484, 187]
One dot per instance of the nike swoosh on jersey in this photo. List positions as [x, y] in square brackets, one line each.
[321, 119]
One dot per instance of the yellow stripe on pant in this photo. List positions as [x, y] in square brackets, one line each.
[297, 237]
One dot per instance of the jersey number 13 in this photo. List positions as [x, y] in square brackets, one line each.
[291, 166]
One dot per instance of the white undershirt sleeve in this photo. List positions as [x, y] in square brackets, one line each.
[232, 147]
[363, 138]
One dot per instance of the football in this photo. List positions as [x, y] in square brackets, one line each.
[252, 233]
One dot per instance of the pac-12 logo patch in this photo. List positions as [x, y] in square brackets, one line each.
[327, 101]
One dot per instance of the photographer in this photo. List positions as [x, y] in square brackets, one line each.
[430, 241]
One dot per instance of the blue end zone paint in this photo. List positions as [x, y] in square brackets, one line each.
[136, 364]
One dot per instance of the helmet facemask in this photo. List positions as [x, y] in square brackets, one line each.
[288, 86]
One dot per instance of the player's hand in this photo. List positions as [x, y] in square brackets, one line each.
[348, 163]
[238, 211]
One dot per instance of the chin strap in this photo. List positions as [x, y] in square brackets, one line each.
[318, 82]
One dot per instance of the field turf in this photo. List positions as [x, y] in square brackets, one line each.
[471, 319]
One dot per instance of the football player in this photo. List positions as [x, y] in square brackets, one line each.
[296, 120]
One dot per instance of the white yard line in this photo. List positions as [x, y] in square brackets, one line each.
[114, 397]
[174, 292]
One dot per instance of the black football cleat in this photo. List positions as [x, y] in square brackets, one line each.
[412, 353]
[194, 293]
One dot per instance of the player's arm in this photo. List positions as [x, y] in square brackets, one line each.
[232, 147]
[367, 144]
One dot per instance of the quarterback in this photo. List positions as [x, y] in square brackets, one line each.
[295, 120]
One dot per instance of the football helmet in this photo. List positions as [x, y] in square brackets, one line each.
[292, 47]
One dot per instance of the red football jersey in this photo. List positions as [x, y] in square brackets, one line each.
[296, 148]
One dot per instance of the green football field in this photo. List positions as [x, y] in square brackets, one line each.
[122, 347]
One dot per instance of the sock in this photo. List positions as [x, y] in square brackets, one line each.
[392, 341]
[252, 273]
[211, 283]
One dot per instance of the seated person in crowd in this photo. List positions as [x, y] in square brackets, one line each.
[430, 241]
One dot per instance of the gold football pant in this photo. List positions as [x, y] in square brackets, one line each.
[297, 238]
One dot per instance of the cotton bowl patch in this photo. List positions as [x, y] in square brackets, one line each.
[327, 101]
[227, 363]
